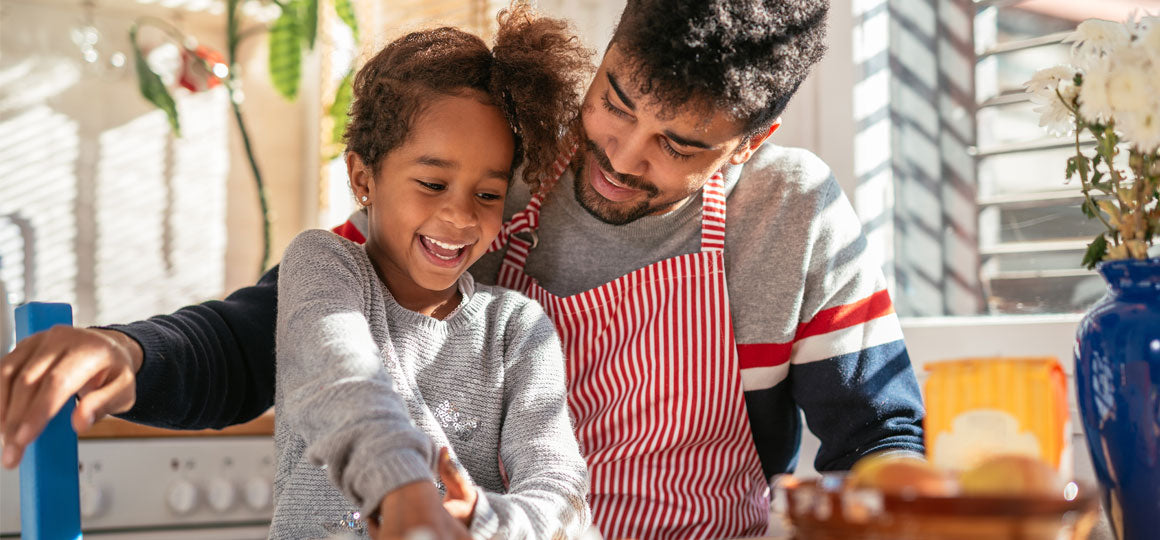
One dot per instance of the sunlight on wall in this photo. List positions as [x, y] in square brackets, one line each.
[129, 211]
[197, 220]
[38, 151]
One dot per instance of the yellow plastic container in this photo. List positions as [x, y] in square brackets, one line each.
[978, 407]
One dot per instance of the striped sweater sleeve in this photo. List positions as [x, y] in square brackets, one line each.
[848, 366]
[827, 341]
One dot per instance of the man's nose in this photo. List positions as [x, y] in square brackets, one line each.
[626, 153]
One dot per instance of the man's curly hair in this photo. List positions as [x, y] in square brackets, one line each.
[743, 57]
[534, 74]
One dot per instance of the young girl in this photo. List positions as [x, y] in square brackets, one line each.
[388, 352]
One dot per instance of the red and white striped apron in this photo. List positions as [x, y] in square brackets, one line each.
[655, 388]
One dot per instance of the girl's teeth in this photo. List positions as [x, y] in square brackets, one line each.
[445, 245]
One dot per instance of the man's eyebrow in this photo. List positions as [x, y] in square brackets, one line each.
[620, 93]
[433, 161]
[693, 143]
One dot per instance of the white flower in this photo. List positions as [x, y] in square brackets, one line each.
[1055, 116]
[1148, 36]
[1095, 37]
[1129, 91]
[1046, 81]
[1094, 104]
[1142, 128]
[1046, 87]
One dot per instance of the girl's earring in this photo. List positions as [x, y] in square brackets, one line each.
[364, 199]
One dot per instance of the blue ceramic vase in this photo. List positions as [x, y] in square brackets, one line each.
[1117, 378]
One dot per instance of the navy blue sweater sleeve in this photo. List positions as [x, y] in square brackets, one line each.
[860, 403]
[209, 365]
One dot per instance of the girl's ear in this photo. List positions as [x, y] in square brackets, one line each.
[361, 178]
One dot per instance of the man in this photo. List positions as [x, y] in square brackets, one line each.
[706, 284]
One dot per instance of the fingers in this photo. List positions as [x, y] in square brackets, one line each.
[457, 487]
[50, 368]
[36, 396]
[116, 395]
[11, 365]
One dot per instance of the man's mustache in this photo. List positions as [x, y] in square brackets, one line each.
[629, 180]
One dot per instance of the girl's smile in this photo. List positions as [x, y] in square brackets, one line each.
[445, 254]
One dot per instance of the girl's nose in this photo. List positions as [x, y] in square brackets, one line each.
[460, 212]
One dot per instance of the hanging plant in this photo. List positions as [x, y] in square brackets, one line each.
[294, 30]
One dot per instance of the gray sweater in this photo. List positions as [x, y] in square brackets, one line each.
[367, 391]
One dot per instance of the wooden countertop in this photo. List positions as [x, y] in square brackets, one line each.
[115, 428]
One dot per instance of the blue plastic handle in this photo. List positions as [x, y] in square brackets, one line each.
[50, 506]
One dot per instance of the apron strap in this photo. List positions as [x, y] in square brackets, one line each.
[528, 219]
[713, 214]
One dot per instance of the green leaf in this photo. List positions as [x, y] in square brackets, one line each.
[1071, 167]
[149, 82]
[1089, 208]
[340, 109]
[345, 12]
[308, 17]
[1095, 252]
[286, 53]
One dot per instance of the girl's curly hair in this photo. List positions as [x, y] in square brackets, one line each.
[534, 73]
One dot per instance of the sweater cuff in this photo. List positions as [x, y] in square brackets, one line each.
[149, 378]
[484, 520]
[391, 471]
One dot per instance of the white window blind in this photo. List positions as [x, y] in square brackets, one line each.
[1032, 235]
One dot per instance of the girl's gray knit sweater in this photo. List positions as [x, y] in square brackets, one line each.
[367, 391]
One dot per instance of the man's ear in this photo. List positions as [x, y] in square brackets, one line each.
[361, 178]
[746, 151]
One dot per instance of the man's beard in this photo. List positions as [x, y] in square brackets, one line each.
[603, 209]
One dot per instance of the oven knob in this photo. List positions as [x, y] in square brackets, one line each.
[182, 497]
[221, 494]
[258, 493]
[92, 499]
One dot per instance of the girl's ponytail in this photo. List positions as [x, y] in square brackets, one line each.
[538, 75]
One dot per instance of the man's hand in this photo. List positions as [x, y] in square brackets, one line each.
[48, 368]
[459, 499]
[415, 510]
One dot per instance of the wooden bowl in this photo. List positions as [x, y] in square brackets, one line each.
[824, 509]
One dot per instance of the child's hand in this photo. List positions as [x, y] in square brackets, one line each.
[413, 511]
[460, 496]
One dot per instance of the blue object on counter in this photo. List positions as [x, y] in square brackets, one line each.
[50, 506]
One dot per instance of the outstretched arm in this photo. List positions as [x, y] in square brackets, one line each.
[205, 366]
[209, 365]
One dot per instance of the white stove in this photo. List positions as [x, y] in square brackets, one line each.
[172, 488]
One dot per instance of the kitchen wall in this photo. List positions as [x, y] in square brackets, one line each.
[100, 205]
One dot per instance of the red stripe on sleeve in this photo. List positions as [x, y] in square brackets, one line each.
[839, 317]
[751, 355]
[350, 232]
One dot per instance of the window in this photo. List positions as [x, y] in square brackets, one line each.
[1032, 234]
